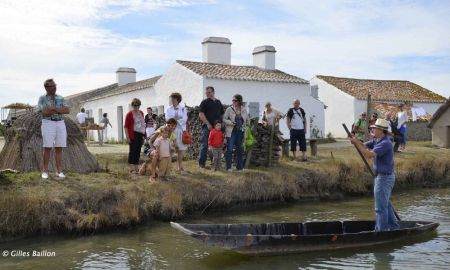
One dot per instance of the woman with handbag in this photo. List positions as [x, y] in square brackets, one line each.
[235, 119]
[178, 111]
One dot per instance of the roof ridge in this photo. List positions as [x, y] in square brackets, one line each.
[240, 72]
[89, 91]
[130, 86]
[206, 63]
[348, 78]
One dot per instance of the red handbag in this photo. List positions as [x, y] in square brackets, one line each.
[186, 138]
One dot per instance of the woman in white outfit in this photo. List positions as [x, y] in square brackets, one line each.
[402, 118]
[105, 122]
[177, 111]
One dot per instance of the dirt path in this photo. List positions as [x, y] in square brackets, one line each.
[108, 149]
[338, 144]
[95, 149]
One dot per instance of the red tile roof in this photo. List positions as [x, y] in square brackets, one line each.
[384, 90]
[243, 73]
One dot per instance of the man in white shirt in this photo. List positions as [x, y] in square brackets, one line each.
[81, 116]
[296, 122]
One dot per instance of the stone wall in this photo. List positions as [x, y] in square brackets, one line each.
[418, 131]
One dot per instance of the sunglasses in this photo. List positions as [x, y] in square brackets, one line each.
[234, 100]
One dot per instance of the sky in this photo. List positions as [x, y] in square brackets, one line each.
[81, 43]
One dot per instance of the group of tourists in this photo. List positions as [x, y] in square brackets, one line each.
[222, 128]
[362, 130]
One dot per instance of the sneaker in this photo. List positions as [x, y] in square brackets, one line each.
[60, 175]
[44, 175]
[230, 170]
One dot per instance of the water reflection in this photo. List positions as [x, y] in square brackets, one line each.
[160, 247]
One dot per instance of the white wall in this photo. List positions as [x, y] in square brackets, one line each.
[279, 94]
[341, 108]
[441, 131]
[430, 108]
[179, 79]
[359, 107]
[109, 105]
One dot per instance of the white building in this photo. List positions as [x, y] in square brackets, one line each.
[346, 98]
[440, 126]
[257, 83]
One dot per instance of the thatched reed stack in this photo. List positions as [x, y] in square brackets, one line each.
[23, 147]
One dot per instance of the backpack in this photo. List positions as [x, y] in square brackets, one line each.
[291, 113]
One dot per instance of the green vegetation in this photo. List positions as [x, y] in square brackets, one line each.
[115, 199]
[2, 130]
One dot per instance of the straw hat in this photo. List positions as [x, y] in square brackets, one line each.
[381, 124]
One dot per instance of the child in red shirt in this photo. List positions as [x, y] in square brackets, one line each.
[215, 144]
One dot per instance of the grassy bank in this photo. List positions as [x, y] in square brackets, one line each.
[116, 199]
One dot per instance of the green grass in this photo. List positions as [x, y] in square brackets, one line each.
[87, 203]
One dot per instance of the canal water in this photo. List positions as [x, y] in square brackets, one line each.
[158, 246]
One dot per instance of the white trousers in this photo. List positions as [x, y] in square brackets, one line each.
[54, 133]
[105, 134]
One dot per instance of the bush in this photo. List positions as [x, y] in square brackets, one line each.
[2, 130]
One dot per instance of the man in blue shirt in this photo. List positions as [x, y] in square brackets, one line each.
[380, 148]
[53, 128]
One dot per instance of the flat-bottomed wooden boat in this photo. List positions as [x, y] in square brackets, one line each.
[284, 238]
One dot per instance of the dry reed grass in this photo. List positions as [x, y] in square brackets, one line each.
[87, 203]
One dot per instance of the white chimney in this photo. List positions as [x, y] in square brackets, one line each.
[217, 50]
[125, 76]
[264, 57]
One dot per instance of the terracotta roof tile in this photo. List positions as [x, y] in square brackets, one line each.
[117, 90]
[75, 98]
[384, 90]
[242, 73]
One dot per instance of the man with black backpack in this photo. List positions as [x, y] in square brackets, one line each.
[296, 122]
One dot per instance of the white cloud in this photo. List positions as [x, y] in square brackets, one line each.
[62, 39]
[360, 39]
